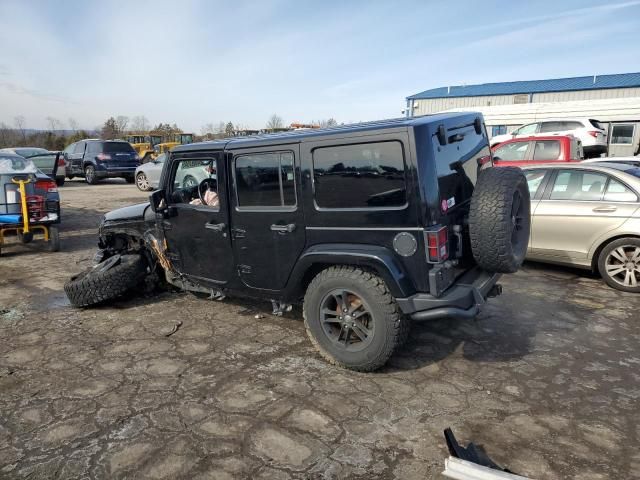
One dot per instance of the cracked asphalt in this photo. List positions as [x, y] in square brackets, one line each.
[546, 380]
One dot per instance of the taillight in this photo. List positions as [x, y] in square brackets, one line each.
[594, 134]
[484, 160]
[48, 186]
[103, 156]
[437, 241]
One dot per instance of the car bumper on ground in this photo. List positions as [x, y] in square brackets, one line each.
[462, 300]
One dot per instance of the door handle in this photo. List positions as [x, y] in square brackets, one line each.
[604, 209]
[216, 227]
[283, 228]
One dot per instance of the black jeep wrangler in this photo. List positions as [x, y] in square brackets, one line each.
[369, 226]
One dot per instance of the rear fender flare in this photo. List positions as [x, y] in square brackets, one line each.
[377, 258]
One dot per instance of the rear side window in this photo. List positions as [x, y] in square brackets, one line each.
[618, 192]
[572, 125]
[546, 150]
[94, 147]
[511, 152]
[578, 186]
[364, 175]
[79, 147]
[118, 147]
[265, 180]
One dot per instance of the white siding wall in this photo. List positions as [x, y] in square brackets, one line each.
[586, 95]
[434, 105]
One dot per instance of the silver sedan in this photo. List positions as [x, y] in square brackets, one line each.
[148, 174]
[189, 174]
[587, 215]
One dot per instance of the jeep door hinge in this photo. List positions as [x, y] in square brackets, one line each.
[244, 269]
[238, 233]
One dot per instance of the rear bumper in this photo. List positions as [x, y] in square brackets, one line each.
[116, 172]
[462, 300]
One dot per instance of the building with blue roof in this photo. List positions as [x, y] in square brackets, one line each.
[614, 100]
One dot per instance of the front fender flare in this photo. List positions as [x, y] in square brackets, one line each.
[374, 257]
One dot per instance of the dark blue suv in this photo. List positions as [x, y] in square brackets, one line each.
[98, 159]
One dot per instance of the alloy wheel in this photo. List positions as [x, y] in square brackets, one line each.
[622, 265]
[346, 320]
[142, 182]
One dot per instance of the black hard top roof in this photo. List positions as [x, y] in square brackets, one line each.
[297, 136]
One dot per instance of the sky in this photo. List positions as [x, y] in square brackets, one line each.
[195, 62]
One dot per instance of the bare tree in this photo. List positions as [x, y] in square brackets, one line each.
[208, 131]
[54, 124]
[220, 129]
[274, 121]
[121, 123]
[73, 124]
[20, 123]
[140, 124]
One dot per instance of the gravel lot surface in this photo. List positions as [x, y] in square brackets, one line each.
[546, 379]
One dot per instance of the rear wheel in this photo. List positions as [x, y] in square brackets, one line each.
[619, 264]
[500, 219]
[142, 182]
[106, 280]
[54, 239]
[90, 175]
[352, 318]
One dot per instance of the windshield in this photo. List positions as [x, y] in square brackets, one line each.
[115, 147]
[16, 164]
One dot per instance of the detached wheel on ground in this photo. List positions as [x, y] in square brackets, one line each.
[90, 175]
[619, 264]
[106, 280]
[142, 182]
[500, 219]
[352, 318]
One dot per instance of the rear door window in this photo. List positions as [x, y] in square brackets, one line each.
[577, 185]
[527, 129]
[511, 152]
[265, 180]
[546, 150]
[79, 148]
[363, 175]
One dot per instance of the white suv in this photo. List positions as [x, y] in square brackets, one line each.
[588, 130]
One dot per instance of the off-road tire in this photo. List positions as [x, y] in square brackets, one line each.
[391, 326]
[94, 286]
[54, 239]
[90, 175]
[602, 257]
[496, 246]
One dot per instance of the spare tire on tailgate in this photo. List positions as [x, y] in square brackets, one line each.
[106, 280]
[500, 219]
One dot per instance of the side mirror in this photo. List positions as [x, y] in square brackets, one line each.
[157, 201]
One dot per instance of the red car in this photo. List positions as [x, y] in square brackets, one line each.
[519, 152]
